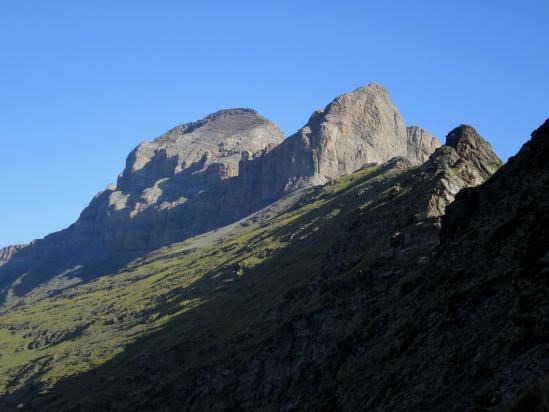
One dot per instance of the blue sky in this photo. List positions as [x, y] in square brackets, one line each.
[83, 82]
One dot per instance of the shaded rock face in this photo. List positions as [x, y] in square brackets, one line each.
[462, 328]
[316, 360]
[207, 174]
[6, 253]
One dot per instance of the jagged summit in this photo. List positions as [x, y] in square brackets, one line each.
[220, 137]
[356, 128]
[463, 134]
[372, 87]
[468, 143]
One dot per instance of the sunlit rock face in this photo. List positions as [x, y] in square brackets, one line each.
[356, 128]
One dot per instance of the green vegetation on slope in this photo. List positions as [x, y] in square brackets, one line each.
[86, 326]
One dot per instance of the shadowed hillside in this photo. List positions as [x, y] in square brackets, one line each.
[289, 309]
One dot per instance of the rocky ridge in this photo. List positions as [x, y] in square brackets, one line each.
[357, 128]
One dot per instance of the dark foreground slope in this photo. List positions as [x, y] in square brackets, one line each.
[315, 303]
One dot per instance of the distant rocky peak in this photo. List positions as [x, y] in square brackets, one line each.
[466, 160]
[222, 137]
[464, 135]
[225, 121]
[466, 141]
[358, 127]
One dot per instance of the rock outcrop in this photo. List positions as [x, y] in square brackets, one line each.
[355, 129]
[420, 144]
[166, 190]
[6, 253]
[207, 174]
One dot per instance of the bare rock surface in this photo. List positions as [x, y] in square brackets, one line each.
[355, 129]
[6, 253]
[421, 144]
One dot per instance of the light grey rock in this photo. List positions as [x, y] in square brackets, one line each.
[421, 144]
[356, 128]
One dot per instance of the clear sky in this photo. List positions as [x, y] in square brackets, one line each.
[83, 82]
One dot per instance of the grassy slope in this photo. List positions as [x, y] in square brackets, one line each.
[86, 326]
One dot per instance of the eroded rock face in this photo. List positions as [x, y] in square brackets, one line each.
[420, 144]
[217, 143]
[164, 192]
[356, 128]
[171, 188]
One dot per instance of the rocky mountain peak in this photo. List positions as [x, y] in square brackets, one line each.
[226, 120]
[363, 126]
[469, 145]
[359, 127]
[464, 135]
[467, 160]
[221, 137]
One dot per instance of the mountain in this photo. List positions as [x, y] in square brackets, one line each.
[205, 175]
[385, 279]
[278, 311]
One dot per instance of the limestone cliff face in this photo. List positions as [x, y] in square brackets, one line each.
[420, 144]
[207, 174]
[356, 128]
[164, 192]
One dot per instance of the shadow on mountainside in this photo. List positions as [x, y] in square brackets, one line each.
[263, 285]
[76, 255]
[327, 325]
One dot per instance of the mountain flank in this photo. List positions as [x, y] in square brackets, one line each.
[270, 312]
[297, 274]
